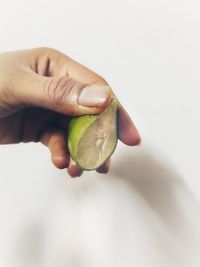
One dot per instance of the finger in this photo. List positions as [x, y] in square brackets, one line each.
[61, 65]
[39, 118]
[63, 122]
[63, 95]
[127, 131]
[105, 167]
[73, 169]
[56, 140]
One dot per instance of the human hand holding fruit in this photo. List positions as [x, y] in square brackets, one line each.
[41, 90]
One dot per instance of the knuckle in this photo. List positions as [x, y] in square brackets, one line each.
[60, 90]
[45, 49]
[99, 80]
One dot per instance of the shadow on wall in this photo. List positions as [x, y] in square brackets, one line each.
[161, 187]
[29, 247]
[156, 181]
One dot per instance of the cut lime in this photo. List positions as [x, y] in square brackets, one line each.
[93, 138]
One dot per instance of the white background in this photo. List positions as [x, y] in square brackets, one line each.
[145, 213]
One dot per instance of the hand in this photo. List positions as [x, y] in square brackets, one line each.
[40, 90]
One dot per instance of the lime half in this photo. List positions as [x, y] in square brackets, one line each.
[93, 138]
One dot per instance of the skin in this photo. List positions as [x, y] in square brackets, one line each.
[35, 90]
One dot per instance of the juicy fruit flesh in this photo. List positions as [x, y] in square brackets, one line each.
[97, 140]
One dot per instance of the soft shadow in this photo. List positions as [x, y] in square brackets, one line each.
[161, 187]
[30, 244]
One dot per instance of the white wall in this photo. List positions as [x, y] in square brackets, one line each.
[145, 213]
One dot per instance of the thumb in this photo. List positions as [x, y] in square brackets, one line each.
[64, 95]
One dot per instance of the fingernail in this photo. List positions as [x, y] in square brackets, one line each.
[94, 95]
